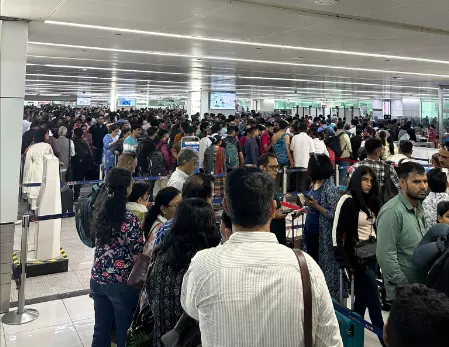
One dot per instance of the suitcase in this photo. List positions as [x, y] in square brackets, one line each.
[67, 200]
[352, 334]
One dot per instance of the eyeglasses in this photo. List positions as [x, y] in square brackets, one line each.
[273, 167]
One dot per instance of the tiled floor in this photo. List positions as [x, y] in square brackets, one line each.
[70, 323]
[67, 323]
[80, 262]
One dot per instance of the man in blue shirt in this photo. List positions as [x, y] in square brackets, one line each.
[130, 144]
[196, 186]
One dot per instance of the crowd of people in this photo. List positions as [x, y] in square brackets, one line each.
[232, 278]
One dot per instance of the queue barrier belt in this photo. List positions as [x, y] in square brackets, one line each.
[357, 319]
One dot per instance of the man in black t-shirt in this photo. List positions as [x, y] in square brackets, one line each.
[98, 131]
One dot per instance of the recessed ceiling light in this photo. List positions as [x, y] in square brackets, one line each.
[84, 69]
[326, 2]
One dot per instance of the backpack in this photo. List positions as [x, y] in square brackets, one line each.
[142, 155]
[210, 159]
[389, 190]
[438, 276]
[280, 149]
[231, 155]
[334, 144]
[156, 166]
[84, 214]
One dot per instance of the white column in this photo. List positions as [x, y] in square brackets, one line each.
[13, 46]
[194, 103]
[440, 113]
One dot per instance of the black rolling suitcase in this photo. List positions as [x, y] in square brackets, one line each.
[67, 199]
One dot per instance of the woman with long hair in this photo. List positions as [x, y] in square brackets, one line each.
[193, 229]
[161, 140]
[321, 202]
[214, 163]
[118, 242]
[355, 221]
[163, 209]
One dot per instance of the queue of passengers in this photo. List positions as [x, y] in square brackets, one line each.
[227, 277]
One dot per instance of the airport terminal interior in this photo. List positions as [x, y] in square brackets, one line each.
[381, 61]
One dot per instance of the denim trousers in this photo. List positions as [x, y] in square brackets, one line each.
[112, 303]
[367, 294]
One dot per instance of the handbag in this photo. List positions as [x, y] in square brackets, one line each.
[140, 270]
[365, 251]
[186, 333]
[140, 332]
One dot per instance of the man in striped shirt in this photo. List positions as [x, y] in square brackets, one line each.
[248, 291]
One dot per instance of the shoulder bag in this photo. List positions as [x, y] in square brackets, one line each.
[306, 297]
[365, 251]
[140, 332]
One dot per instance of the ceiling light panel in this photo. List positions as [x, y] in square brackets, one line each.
[252, 43]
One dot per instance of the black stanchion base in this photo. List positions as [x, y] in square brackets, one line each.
[43, 267]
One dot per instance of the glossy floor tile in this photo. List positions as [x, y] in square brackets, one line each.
[53, 336]
[85, 330]
[52, 313]
[2, 341]
[80, 307]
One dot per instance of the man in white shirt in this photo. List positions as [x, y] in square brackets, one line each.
[248, 292]
[302, 145]
[26, 124]
[405, 152]
[205, 142]
[187, 162]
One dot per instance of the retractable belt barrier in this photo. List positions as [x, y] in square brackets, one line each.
[140, 178]
[357, 319]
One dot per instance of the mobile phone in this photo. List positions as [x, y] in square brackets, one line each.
[308, 196]
[287, 211]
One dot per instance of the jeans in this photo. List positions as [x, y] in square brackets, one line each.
[367, 294]
[112, 302]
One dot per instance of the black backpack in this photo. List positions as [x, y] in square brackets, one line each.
[84, 213]
[389, 190]
[334, 144]
[438, 277]
[156, 166]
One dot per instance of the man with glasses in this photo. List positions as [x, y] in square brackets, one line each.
[269, 163]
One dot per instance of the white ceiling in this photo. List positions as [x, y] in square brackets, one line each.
[184, 45]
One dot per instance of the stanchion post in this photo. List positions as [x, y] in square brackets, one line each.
[284, 180]
[22, 315]
[337, 175]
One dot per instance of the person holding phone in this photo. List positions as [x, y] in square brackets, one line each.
[321, 200]
[354, 222]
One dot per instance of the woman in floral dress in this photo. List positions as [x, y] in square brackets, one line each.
[118, 242]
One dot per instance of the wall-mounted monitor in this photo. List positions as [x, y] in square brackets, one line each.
[83, 101]
[222, 100]
[126, 102]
